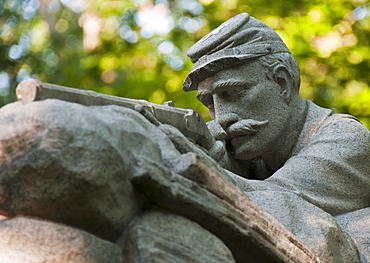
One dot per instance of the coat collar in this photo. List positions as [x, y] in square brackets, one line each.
[315, 119]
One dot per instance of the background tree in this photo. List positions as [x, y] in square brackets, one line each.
[137, 48]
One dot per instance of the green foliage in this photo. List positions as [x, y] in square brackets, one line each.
[137, 48]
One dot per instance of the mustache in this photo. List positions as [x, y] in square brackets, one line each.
[244, 127]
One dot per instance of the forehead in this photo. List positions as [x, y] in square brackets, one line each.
[249, 72]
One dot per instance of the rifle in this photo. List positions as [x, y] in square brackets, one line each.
[187, 121]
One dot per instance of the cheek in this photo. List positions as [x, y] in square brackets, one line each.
[278, 121]
[272, 105]
[258, 101]
[258, 107]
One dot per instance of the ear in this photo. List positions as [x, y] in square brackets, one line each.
[285, 81]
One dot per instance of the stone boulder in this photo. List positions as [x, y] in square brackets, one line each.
[27, 240]
[69, 163]
[159, 236]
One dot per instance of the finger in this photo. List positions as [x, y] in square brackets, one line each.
[182, 144]
[218, 151]
[148, 115]
[216, 130]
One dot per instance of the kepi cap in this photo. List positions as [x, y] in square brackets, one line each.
[240, 38]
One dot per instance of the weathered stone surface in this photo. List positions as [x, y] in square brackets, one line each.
[68, 163]
[357, 225]
[311, 225]
[210, 200]
[158, 236]
[26, 240]
[73, 164]
[249, 80]
[187, 121]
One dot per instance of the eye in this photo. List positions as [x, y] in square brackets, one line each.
[233, 93]
[206, 100]
[209, 104]
[211, 108]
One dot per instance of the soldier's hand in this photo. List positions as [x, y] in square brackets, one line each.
[216, 130]
[218, 151]
[147, 114]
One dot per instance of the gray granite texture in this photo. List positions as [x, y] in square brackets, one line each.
[283, 180]
[357, 224]
[317, 228]
[68, 166]
[302, 157]
[99, 169]
[28, 240]
[152, 236]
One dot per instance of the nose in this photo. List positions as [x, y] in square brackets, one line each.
[224, 117]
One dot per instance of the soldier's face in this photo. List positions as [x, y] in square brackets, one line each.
[249, 106]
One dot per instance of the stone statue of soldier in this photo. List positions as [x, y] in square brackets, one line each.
[98, 168]
[301, 153]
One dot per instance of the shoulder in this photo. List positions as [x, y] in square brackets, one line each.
[343, 128]
[331, 132]
[341, 141]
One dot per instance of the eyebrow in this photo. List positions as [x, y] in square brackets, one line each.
[221, 84]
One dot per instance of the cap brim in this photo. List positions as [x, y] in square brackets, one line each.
[207, 70]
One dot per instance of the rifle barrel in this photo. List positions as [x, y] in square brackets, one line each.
[189, 122]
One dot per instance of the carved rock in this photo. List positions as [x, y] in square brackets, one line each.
[29, 240]
[68, 163]
[158, 236]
